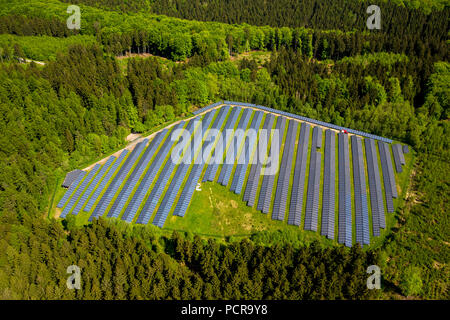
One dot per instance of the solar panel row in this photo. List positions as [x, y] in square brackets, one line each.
[70, 190]
[312, 195]
[376, 197]
[211, 106]
[298, 186]
[297, 117]
[125, 173]
[329, 176]
[390, 168]
[234, 148]
[213, 166]
[255, 170]
[401, 155]
[265, 195]
[107, 197]
[92, 186]
[105, 180]
[360, 193]
[161, 183]
[174, 187]
[144, 186]
[68, 208]
[281, 193]
[194, 176]
[244, 156]
[386, 179]
[135, 175]
[345, 196]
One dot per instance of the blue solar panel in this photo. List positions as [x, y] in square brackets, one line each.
[144, 186]
[398, 155]
[265, 195]
[390, 168]
[386, 179]
[298, 186]
[329, 176]
[312, 199]
[70, 190]
[175, 185]
[188, 190]
[211, 171]
[107, 197]
[68, 208]
[135, 175]
[161, 183]
[319, 137]
[279, 205]
[244, 156]
[301, 118]
[345, 209]
[405, 149]
[105, 180]
[359, 182]
[376, 197]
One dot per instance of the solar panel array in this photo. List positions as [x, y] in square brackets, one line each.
[376, 196]
[133, 179]
[255, 170]
[405, 149]
[399, 158]
[104, 181]
[312, 195]
[213, 166]
[329, 185]
[108, 196]
[161, 183]
[345, 195]
[70, 190]
[386, 175]
[244, 156]
[149, 177]
[175, 185]
[360, 195]
[194, 177]
[146, 183]
[265, 195]
[298, 186]
[87, 193]
[281, 193]
[68, 208]
[297, 117]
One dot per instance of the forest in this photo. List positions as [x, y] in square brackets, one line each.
[88, 96]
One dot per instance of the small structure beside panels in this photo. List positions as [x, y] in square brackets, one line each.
[304, 172]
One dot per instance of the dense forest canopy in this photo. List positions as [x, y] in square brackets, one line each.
[81, 104]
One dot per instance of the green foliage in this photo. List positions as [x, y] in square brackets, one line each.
[43, 48]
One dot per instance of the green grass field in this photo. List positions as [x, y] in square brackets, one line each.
[217, 212]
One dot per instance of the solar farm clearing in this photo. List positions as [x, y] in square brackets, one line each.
[295, 173]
